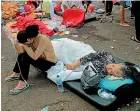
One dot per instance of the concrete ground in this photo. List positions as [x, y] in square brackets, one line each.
[110, 37]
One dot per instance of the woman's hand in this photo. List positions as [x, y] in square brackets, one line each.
[73, 66]
[21, 45]
[70, 67]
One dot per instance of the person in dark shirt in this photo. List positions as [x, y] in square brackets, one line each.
[136, 11]
[108, 7]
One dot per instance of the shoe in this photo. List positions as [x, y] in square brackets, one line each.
[132, 16]
[8, 79]
[135, 39]
[108, 14]
[17, 91]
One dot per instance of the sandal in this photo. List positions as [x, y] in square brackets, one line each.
[11, 78]
[134, 39]
[17, 91]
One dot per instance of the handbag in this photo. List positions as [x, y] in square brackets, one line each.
[90, 79]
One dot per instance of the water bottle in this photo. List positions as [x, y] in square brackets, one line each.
[105, 94]
[59, 84]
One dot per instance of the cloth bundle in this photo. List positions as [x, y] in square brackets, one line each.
[24, 22]
[9, 9]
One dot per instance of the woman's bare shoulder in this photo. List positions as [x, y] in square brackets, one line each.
[44, 37]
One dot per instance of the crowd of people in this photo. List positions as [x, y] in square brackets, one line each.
[135, 7]
[36, 49]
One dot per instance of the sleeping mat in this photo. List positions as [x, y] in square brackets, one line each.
[124, 94]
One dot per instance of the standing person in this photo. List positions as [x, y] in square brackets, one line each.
[108, 7]
[132, 10]
[35, 49]
[136, 10]
[123, 22]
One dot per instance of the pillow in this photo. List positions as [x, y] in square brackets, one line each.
[112, 85]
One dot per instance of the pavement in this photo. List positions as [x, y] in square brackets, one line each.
[110, 37]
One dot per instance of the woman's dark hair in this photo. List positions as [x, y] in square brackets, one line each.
[32, 30]
[35, 4]
[22, 36]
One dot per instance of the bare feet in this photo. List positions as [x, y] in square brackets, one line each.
[14, 76]
[19, 88]
[124, 24]
[126, 21]
[20, 85]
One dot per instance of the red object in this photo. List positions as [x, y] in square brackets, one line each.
[114, 1]
[30, 1]
[23, 14]
[90, 8]
[29, 7]
[73, 17]
[24, 22]
[57, 8]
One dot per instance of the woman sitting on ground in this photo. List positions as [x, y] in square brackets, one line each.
[35, 49]
[104, 63]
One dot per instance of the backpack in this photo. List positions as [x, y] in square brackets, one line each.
[90, 79]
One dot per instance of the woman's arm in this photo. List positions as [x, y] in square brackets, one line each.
[18, 46]
[37, 53]
[73, 66]
[82, 61]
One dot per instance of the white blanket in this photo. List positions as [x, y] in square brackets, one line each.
[67, 52]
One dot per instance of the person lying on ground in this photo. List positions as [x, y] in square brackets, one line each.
[35, 49]
[104, 63]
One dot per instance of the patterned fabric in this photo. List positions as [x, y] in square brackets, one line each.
[99, 61]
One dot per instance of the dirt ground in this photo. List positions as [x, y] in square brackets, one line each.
[110, 37]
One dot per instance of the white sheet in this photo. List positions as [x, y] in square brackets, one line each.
[68, 51]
